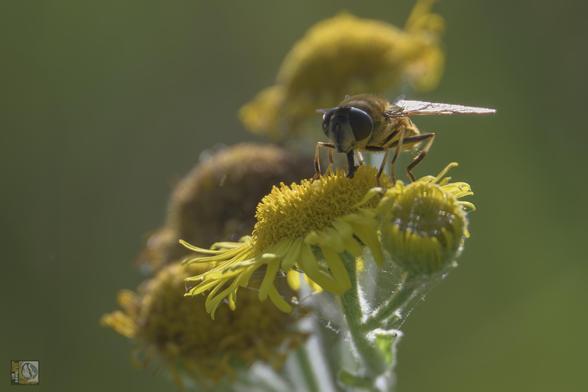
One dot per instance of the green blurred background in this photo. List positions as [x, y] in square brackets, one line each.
[104, 105]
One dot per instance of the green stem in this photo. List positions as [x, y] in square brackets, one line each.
[388, 309]
[411, 290]
[370, 357]
[306, 368]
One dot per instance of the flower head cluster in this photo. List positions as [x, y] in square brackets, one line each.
[348, 55]
[312, 226]
[305, 226]
[176, 331]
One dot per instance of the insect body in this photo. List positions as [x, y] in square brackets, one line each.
[370, 123]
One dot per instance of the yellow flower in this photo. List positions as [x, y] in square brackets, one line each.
[305, 226]
[233, 179]
[309, 227]
[424, 223]
[176, 330]
[347, 55]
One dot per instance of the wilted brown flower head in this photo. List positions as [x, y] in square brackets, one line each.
[175, 331]
[217, 199]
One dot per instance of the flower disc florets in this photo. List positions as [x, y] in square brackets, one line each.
[292, 211]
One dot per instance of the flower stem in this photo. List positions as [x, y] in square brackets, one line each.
[391, 306]
[412, 288]
[368, 353]
[306, 368]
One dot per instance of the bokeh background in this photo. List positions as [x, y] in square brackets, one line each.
[104, 105]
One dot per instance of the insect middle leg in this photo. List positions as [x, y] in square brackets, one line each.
[397, 145]
[393, 143]
[317, 157]
[383, 164]
[423, 137]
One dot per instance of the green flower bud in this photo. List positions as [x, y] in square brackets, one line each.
[425, 224]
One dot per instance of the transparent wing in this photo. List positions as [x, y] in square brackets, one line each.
[404, 107]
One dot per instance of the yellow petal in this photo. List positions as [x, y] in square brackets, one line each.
[293, 277]
[309, 265]
[268, 279]
[280, 302]
[337, 269]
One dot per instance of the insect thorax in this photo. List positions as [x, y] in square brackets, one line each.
[389, 131]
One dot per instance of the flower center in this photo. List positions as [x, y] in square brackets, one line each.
[292, 211]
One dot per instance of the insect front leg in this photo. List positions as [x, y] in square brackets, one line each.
[317, 157]
[331, 160]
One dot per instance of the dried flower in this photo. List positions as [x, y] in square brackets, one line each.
[175, 331]
[217, 199]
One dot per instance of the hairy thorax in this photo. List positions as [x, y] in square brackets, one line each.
[387, 133]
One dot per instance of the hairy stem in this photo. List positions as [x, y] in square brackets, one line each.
[388, 310]
[366, 350]
[306, 368]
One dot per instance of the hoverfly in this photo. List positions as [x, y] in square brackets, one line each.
[367, 122]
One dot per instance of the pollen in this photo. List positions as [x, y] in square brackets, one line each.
[289, 212]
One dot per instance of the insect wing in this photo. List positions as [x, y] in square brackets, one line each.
[405, 107]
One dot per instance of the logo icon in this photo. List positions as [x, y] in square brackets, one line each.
[24, 372]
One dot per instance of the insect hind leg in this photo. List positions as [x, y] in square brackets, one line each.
[382, 165]
[428, 138]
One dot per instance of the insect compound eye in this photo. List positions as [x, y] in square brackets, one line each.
[326, 120]
[361, 123]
